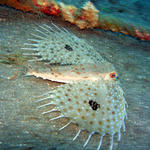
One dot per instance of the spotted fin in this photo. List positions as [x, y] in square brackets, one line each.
[98, 107]
[56, 45]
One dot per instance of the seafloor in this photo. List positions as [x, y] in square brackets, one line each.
[21, 125]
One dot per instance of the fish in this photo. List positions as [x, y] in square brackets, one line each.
[91, 96]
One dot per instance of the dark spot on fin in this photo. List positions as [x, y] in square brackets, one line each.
[94, 104]
[69, 48]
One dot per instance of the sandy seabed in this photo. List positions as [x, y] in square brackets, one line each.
[21, 125]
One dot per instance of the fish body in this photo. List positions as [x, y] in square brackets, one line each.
[92, 96]
[74, 73]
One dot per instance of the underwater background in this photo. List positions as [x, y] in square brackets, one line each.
[21, 126]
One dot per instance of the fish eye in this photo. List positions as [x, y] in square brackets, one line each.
[113, 75]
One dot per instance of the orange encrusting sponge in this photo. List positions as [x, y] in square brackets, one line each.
[22, 5]
[47, 7]
[87, 16]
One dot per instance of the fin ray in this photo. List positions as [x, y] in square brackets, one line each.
[52, 110]
[65, 125]
[61, 116]
[89, 137]
[75, 137]
[100, 142]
